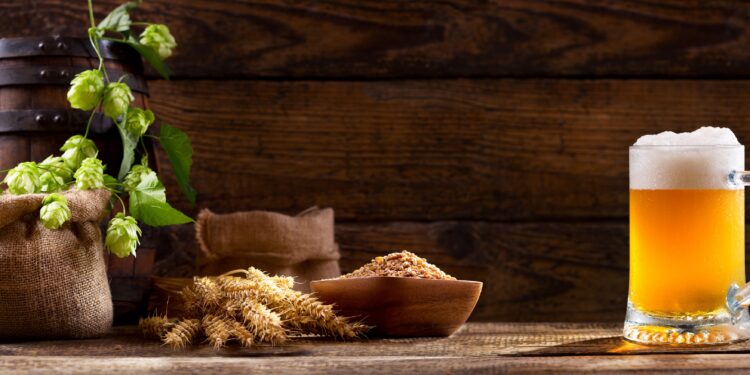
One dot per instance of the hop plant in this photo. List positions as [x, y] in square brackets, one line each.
[123, 235]
[138, 121]
[137, 174]
[159, 38]
[55, 211]
[117, 98]
[77, 148]
[86, 90]
[90, 175]
[25, 178]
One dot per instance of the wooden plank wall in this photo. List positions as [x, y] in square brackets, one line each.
[489, 136]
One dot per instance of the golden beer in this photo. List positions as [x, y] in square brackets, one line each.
[687, 245]
[686, 248]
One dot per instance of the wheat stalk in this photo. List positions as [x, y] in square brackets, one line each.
[251, 309]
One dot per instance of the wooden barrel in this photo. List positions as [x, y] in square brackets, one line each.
[36, 119]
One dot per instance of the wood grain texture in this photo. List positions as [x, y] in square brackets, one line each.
[473, 339]
[372, 38]
[477, 348]
[530, 271]
[432, 150]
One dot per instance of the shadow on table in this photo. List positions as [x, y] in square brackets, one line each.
[617, 345]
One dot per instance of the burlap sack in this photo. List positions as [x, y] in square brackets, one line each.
[53, 283]
[302, 246]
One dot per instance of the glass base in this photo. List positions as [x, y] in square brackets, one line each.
[708, 329]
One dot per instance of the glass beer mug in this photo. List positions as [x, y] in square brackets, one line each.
[687, 240]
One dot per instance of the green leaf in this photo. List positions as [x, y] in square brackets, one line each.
[158, 214]
[180, 152]
[150, 55]
[129, 143]
[149, 189]
[110, 181]
[119, 18]
[148, 203]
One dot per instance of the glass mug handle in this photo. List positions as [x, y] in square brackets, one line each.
[738, 297]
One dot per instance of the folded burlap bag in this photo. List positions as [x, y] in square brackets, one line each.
[53, 283]
[302, 246]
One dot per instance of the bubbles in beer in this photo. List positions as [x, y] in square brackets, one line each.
[690, 164]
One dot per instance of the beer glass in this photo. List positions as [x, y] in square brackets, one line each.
[687, 245]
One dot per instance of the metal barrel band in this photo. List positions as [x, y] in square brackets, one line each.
[52, 120]
[60, 75]
[64, 46]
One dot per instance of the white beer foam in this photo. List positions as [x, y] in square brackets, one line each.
[693, 164]
[707, 135]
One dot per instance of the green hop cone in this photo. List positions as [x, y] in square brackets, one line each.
[50, 182]
[90, 175]
[86, 90]
[77, 148]
[137, 174]
[117, 98]
[55, 211]
[138, 121]
[160, 39]
[56, 165]
[122, 235]
[24, 178]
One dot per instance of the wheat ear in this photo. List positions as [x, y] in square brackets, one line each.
[304, 312]
[182, 333]
[264, 323]
[207, 291]
[155, 326]
[243, 335]
[218, 330]
[284, 282]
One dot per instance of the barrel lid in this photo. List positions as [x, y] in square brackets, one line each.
[64, 46]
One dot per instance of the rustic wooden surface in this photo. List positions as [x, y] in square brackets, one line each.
[432, 150]
[355, 38]
[476, 348]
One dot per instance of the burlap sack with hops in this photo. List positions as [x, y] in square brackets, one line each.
[302, 246]
[53, 283]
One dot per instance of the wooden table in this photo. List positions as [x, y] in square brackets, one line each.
[477, 348]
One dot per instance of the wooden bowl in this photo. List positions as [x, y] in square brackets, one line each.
[402, 306]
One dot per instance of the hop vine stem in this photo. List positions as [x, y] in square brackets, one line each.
[91, 14]
[88, 123]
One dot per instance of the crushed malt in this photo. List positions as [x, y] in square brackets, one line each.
[401, 264]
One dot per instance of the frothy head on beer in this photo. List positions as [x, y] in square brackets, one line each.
[701, 159]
